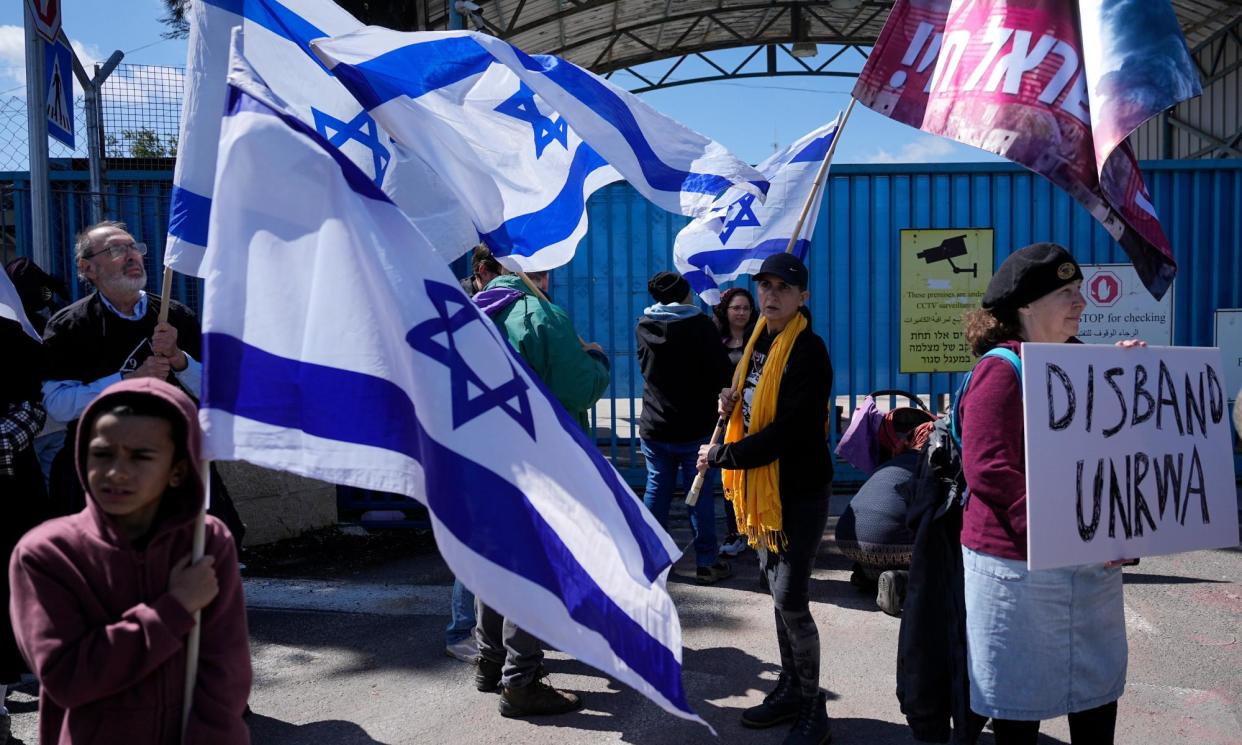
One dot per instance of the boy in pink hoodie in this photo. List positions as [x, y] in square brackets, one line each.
[103, 600]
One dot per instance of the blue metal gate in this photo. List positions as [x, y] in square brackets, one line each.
[855, 271]
[854, 258]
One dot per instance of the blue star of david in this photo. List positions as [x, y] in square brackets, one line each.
[521, 105]
[359, 129]
[455, 311]
[743, 218]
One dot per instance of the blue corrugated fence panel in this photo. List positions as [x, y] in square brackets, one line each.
[854, 261]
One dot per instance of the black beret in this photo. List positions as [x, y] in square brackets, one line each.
[1028, 274]
[668, 287]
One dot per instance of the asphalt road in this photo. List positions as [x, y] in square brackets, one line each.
[359, 659]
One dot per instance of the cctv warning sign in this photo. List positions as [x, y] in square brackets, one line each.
[943, 274]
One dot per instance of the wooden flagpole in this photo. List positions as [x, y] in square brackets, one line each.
[166, 294]
[197, 548]
[692, 496]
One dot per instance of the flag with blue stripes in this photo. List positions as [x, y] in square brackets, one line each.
[277, 34]
[371, 367]
[525, 140]
[735, 237]
[11, 306]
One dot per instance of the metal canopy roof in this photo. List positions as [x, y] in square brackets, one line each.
[609, 35]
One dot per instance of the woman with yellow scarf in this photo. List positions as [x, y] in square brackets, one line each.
[778, 476]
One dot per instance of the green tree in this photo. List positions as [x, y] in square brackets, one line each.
[176, 19]
[143, 143]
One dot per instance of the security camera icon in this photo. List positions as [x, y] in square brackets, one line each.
[949, 249]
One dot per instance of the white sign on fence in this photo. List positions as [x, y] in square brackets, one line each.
[1128, 453]
[1229, 339]
[1120, 307]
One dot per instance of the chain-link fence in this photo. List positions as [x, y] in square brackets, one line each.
[14, 128]
[140, 111]
[141, 117]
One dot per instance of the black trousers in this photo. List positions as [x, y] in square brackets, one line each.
[1091, 727]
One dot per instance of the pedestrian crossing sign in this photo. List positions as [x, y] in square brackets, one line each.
[58, 67]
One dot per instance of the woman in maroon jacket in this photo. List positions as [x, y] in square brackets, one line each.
[1042, 643]
[103, 600]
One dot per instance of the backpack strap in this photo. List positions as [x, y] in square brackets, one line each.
[955, 418]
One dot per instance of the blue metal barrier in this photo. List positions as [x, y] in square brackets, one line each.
[854, 260]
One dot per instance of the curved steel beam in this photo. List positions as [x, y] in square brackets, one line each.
[652, 86]
[713, 13]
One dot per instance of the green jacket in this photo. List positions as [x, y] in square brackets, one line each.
[545, 337]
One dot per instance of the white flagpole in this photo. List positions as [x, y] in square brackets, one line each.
[192, 642]
[692, 496]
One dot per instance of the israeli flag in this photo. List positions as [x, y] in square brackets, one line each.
[277, 34]
[372, 368]
[739, 233]
[516, 166]
[11, 306]
[524, 140]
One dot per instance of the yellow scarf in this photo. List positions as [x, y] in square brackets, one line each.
[755, 492]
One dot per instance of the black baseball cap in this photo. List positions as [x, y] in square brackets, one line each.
[785, 266]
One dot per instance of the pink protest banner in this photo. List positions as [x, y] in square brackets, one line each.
[1055, 85]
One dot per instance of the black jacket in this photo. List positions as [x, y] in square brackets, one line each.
[796, 435]
[684, 368]
[85, 341]
[932, 682]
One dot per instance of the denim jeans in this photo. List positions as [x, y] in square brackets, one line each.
[461, 623]
[665, 460]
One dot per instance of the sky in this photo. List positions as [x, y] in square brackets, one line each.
[752, 117]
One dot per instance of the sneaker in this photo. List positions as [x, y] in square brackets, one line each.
[486, 675]
[734, 545]
[712, 574]
[891, 591]
[780, 705]
[466, 650]
[811, 726]
[537, 698]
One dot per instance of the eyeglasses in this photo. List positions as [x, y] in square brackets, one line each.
[117, 250]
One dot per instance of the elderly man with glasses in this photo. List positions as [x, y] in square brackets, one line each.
[112, 333]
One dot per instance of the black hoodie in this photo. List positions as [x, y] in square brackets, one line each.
[684, 368]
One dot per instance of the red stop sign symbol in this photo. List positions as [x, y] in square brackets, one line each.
[1104, 288]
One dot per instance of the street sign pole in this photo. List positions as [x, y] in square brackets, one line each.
[36, 118]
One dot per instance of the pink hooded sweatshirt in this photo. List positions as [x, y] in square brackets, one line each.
[93, 616]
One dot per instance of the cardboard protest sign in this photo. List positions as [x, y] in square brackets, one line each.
[1127, 453]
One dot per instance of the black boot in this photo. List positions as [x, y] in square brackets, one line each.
[537, 698]
[486, 675]
[811, 726]
[780, 705]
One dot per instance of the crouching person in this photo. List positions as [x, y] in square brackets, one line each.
[103, 600]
